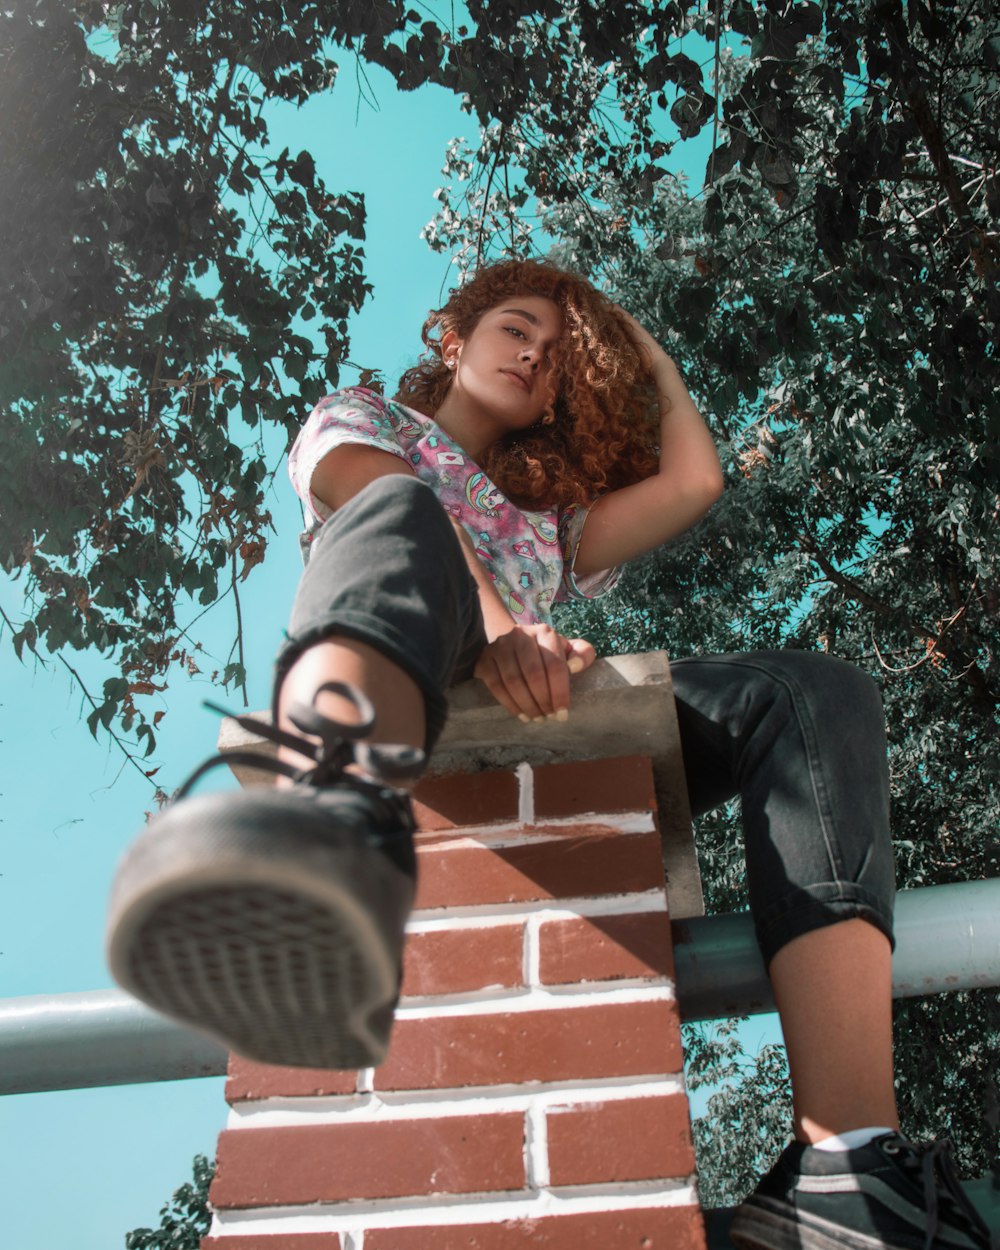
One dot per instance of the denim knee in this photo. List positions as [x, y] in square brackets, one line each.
[800, 737]
[388, 569]
[833, 838]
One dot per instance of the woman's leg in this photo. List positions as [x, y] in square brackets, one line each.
[800, 738]
[833, 988]
[386, 603]
[274, 919]
[396, 697]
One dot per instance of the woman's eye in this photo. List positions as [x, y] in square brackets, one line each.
[515, 330]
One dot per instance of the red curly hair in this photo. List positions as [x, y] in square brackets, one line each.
[599, 433]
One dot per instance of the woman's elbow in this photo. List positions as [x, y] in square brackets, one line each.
[713, 486]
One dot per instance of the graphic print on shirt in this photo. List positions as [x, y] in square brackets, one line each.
[483, 495]
[512, 602]
[527, 555]
[405, 426]
[484, 551]
[544, 528]
[525, 549]
[544, 600]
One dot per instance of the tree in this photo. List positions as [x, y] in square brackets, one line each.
[751, 1105]
[143, 339]
[184, 1220]
[850, 366]
[134, 171]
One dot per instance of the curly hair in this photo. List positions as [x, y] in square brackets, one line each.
[598, 433]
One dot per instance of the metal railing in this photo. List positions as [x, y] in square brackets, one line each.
[948, 938]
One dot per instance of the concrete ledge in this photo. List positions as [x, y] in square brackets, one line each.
[622, 705]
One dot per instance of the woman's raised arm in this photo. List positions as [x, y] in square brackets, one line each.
[636, 519]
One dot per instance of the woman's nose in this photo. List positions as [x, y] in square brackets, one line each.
[530, 357]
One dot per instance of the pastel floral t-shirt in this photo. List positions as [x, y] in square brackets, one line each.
[528, 555]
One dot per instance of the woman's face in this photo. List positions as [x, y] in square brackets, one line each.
[502, 370]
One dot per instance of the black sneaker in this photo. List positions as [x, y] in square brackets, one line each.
[888, 1193]
[273, 919]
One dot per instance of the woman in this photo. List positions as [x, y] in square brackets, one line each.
[519, 465]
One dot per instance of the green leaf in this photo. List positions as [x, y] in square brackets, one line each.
[234, 674]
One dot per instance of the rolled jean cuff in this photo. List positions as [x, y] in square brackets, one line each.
[381, 636]
[815, 907]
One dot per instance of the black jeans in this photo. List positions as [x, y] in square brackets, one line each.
[799, 736]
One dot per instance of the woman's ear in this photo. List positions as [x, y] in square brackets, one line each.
[451, 346]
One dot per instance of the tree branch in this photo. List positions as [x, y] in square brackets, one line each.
[239, 632]
[983, 250]
[130, 758]
[486, 194]
[965, 666]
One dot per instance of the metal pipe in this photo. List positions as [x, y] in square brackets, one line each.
[98, 1037]
[948, 938]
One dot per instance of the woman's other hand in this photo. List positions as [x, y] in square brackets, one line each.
[527, 670]
[651, 351]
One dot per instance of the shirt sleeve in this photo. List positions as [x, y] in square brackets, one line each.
[592, 585]
[352, 415]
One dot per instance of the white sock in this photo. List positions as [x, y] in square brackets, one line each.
[852, 1140]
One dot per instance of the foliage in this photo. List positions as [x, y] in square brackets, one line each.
[147, 330]
[150, 335]
[751, 1105]
[946, 1056]
[184, 1220]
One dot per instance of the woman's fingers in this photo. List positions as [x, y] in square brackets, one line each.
[553, 652]
[580, 654]
[489, 674]
[644, 341]
[528, 670]
[500, 667]
[534, 671]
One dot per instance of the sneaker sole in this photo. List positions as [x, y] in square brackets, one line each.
[252, 918]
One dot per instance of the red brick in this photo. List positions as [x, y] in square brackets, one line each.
[619, 785]
[555, 1044]
[582, 861]
[634, 1139]
[269, 1167]
[453, 961]
[604, 948]
[250, 1081]
[465, 799]
[658, 1228]
[275, 1241]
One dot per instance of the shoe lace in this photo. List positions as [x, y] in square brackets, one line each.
[339, 745]
[940, 1178]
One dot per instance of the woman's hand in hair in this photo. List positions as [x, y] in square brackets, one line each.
[651, 351]
[527, 670]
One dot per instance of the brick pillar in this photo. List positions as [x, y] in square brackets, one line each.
[533, 1095]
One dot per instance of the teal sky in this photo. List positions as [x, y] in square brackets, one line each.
[82, 1168]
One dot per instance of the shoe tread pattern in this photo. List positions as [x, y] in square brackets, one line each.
[267, 922]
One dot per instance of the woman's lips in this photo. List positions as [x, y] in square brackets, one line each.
[521, 381]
